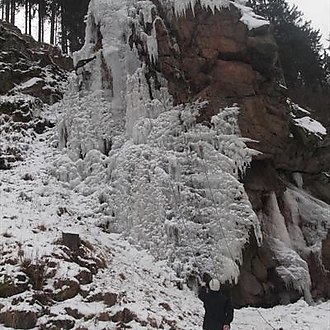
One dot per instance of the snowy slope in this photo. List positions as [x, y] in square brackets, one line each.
[32, 222]
[32, 225]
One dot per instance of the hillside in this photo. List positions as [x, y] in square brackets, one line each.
[172, 151]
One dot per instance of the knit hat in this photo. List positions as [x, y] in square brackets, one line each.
[214, 285]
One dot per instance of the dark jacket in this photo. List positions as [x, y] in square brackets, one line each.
[218, 309]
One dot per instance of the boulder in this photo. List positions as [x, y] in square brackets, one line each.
[110, 299]
[123, 316]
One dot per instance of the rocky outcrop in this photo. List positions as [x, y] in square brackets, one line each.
[40, 285]
[213, 56]
[30, 67]
[32, 76]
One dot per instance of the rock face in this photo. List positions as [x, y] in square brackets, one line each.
[215, 57]
[32, 76]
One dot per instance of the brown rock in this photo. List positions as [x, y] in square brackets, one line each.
[19, 319]
[104, 317]
[124, 316]
[259, 269]
[110, 299]
[250, 284]
[74, 313]
[72, 241]
[84, 277]
[263, 52]
[234, 72]
[55, 324]
[66, 289]
[10, 287]
[152, 322]
[325, 252]
[166, 306]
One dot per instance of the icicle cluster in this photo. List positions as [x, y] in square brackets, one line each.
[170, 185]
[249, 18]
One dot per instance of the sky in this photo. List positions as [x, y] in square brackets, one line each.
[317, 11]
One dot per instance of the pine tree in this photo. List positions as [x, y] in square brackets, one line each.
[305, 65]
[299, 44]
[73, 27]
[70, 14]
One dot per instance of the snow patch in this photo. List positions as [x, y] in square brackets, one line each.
[311, 126]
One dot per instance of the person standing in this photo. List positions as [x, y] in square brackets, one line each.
[219, 311]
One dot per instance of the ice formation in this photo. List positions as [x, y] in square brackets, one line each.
[166, 183]
[249, 18]
[293, 241]
[153, 174]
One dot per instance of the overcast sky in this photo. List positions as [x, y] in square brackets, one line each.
[317, 11]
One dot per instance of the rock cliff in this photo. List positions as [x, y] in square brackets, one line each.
[210, 53]
[217, 58]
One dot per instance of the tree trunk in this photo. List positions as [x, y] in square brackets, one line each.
[52, 23]
[7, 10]
[72, 241]
[26, 16]
[40, 21]
[12, 11]
[64, 39]
[30, 19]
[2, 5]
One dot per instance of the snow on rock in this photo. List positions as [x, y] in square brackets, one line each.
[311, 216]
[249, 18]
[309, 125]
[89, 290]
[293, 241]
[29, 83]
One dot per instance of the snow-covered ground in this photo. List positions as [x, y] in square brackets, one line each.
[31, 222]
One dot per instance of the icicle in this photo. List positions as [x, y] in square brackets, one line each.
[152, 45]
[249, 18]
[174, 169]
[297, 177]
